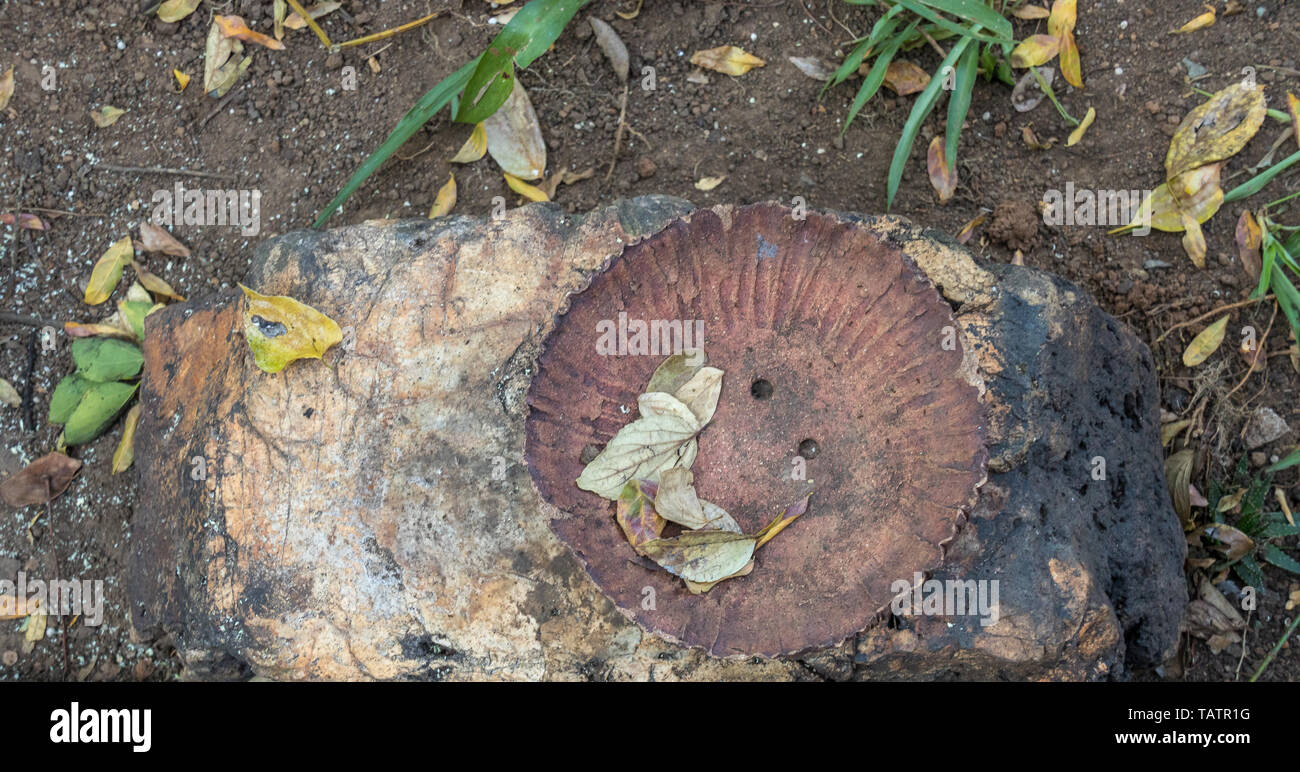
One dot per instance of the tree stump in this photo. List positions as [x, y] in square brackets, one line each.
[372, 515]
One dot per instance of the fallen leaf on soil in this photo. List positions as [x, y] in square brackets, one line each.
[1232, 543]
[106, 115]
[514, 138]
[236, 27]
[728, 60]
[1035, 50]
[280, 329]
[1071, 67]
[1293, 108]
[636, 515]
[1033, 142]
[702, 556]
[1195, 192]
[676, 501]
[24, 219]
[154, 238]
[1230, 502]
[612, 45]
[9, 395]
[639, 451]
[1205, 343]
[565, 177]
[6, 87]
[279, 10]
[182, 79]
[125, 453]
[1200, 22]
[903, 77]
[632, 14]
[28, 486]
[968, 229]
[445, 200]
[1193, 240]
[1170, 430]
[155, 284]
[108, 271]
[943, 178]
[110, 328]
[1062, 18]
[1250, 239]
[474, 147]
[708, 183]
[813, 67]
[1216, 129]
[530, 192]
[1178, 475]
[1079, 130]
[1031, 12]
[295, 20]
[175, 10]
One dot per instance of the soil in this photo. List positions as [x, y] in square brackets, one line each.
[293, 132]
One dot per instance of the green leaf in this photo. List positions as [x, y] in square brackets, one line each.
[980, 15]
[1272, 554]
[66, 396]
[96, 411]
[883, 27]
[1253, 185]
[1250, 572]
[959, 102]
[1286, 462]
[1279, 530]
[871, 84]
[920, 111]
[134, 312]
[527, 36]
[106, 359]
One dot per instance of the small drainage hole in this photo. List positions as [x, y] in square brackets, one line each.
[808, 448]
[760, 389]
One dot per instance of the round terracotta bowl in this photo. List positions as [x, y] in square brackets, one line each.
[828, 335]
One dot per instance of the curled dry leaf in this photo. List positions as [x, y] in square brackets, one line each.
[676, 501]
[1035, 50]
[1200, 22]
[155, 284]
[29, 486]
[280, 329]
[6, 87]
[182, 80]
[632, 14]
[1079, 130]
[1195, 192]
[530, 192]
[9, 395]
[474, 147]
[1216, 129]
[728, 60]
[175, 10]
[1250, 240]
[514, 138]
[778, 524]
[1170, 430]
[236, 27]
[445, 200]
[968, 229]
[708, 183]
[904, 78]
[1178, 476]
[943, 178]
[1193, 240]
[1031, 140]
[612, 45]
[1205, 343]
[702, 556]
[106, 115]
[125, 453]
[108, 271]
[635, 513]
[817, 69]
[154, 238]
[1232, 543]
[24, 220]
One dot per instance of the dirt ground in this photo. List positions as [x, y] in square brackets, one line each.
[293, 132]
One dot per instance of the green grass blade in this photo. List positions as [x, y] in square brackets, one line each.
[920, 111]
[428, 106]
[1273, 554]
[871, 83]
[919, 7]
[1255, 184]
[959, 102]
[975, 12]
[1250, 572]
[1290, 460]
[883, 27]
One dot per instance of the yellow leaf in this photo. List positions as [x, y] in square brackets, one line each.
[1193, 240]
[6, 88]
[182, 79]
[1195, 192]
[154, 283]
[108, 271]
[942, 177]
[1216, 129]
[1250, 239]
[1031, 12]
[16, 607]
[1200, 22]
[631, 14]
[279, 9]
[729, 60]
[1205, 343]
[175, 10]
[530, 192]
[1035, 50]
[445, 200]
[1071, 68]
[125, 453]
[35, 627]
[280, 329]
[106, 115]
[709, 183]
[235, 27]
[1292, 106]
[1079, 130]
[295, 20]
[474, 147]
[1061, 20]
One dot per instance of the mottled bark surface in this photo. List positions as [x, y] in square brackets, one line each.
[370, 516]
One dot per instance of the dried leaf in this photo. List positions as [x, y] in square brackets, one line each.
[125, 453]
[1232, 544]
[24, 220]
[1035, 50]
[155, 284]
[702, 556]
[817, 69]
[530, 192]
[36, 626]
[1062, 18]
[728, 60]
[1205, 343]
[636, 515]
[1195, 192]
[106, 115]
[698, 588]
[1293, 107]
[791, 513]
[639, 451]
[1079, 130]
[1231, 501]
[632, 14]
[514, 138]
[700, 394]
[676, 501]
[674, 372]
[218, 50]
[236, 27]
[474, 147]
[446, 198]
[280, 329]
[1170, 430]
[1216, 129]
[1032, 141]
[1031, 12]
[175, 10]
[279, 10]
[903, 77]
[1200, 22]
[709, 183]
[295, 20]
[17, 607]
[108, 271]
[156, 239]
[612, 45]
[28, 486]
[1250, 239]
[661, 403]
[182, 79]
[1193, 240]
[6, 87]
[9, 395]
[968, 229]
[1178, 475]
[1071, 67]
[943, 178]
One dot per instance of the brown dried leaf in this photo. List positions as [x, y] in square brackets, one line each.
[817, 69]
[29, 486]
[156, 239]
[9, 395]
[1232, 543]
[612, 45]
[1250, 239]
[514, 138]
[155, 284]
[24, 220]
[636, 515]
[728, 60]
[702, 556]
[943, 178]
[106, 115]
[6, 87]
[903, 77]
[1178, 475]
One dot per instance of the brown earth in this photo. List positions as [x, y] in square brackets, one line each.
[291, 131]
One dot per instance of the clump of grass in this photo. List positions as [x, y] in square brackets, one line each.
[1263, 527]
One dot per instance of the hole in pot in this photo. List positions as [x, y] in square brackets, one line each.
[808, 448]
[760, 389]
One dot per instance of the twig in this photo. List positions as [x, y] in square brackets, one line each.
[8, 317]
[1236, 675]
[388, 33]
[161, 170]
[29, 420]
[1250, 368]
[1208, 314]
[618, 136]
